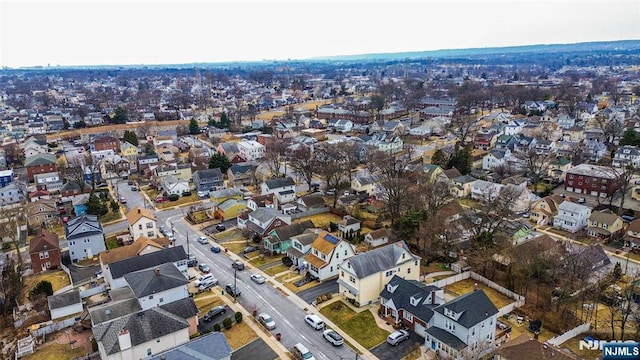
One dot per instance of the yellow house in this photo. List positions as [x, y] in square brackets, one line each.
[128, 150]
[558, 168]
[219, 196]
[461, 186]
[229, 209]
[543, 210]
[180, 171]
[362, 277]
[605, 225]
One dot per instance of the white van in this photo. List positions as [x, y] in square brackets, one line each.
[314, 321]
[300, 352]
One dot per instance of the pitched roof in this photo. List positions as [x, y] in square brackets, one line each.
[446, 337]
[137, 213]
[122, 267]
[379, 259]
[312, 200]
[286, 232]
[474, 307]
[64, 299]
[184, 308]
[126, 252]
[325, 242]
[212, 346]
[143, 326]
[404, 290]
[151, 281]
[44, 241]
[113, 310]
[40, 159]
[83, 226]
[603, 217]
[524, 347]
[380, 233]
[279, 182]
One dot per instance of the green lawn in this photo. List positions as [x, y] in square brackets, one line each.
[360, 326]
[112, 242]
[276, 269]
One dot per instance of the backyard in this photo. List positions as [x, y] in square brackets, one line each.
[360, 326]
[57, 278]
[54, 351]
[467, 285]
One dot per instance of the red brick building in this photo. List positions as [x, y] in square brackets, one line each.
[40, 164]
[592, 180]
[106, 143]
[44, 251]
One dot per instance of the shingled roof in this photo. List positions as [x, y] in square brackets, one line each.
[44, 241]
[126, 252]
[380, 259]
[170, 255]
[474, 308]
[155, 280]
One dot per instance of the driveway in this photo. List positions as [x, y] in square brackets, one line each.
[386, 351]
[257, 349]
[310, 295]
[79, 275]
[208, 325]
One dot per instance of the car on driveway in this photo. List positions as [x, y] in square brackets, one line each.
[238, 265]
[201, 280]
[397, 337]
[211, 314]
[333, 337]
[221, 227]
[215, 249]
[204, 268]
[250, 249]
[257, 278]
[266, 321]
[203, 240]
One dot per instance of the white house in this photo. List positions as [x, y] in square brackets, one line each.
[377, 237]
[65, 304]
[326, 254]
[158, 286]
[626, 155]
[251, 150]
[422, 130]
[483, 190]
[571, 216]
[173, 185]
[142, 222]
[283, 188]
[495, 158]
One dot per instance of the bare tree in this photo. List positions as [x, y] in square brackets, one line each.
[303, 163]
[12, 219]
[535, 165]
[463, 127]
[274, 155]
[332, 167]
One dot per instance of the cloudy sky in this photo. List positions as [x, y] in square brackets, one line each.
[116, 32]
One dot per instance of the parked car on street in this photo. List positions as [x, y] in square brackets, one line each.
[266, 321]
[258, 278]
[333, 337]
[238, 265]
[215, 249]
[232, 290]
[203, 240]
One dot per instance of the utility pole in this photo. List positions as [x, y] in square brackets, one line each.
[235, 289]
[187, 243]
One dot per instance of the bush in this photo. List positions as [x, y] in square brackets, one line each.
[238, 317]
[174, 197]
[287, 261]
[216, 327]
[42, 288]
[227, 323]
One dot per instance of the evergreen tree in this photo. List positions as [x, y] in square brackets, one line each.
[95, 205]
[219, 161]
[440, 158]
[130, 137]
[630, 137]
[194, 128]
[224, 121]
[120, 116]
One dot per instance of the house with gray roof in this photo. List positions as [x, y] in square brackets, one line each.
[410, 302]
[464, 326]
[279, 239]
[212, 346]
[85, 237]
[363, 276]
[208, 179]
[114, 272]
[572, 217]
[141, 334]
[263, 220]
[156, 286]
[65, 304]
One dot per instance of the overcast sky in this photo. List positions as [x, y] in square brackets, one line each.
[117, 32]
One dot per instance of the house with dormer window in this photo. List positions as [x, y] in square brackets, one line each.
[262, 220]
[279, 239]
[464, 326]
[572, 217]
[626, 155]
[326, 254]
[410, 302]
[363, 276]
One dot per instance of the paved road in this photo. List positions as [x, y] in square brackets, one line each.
[288, 316]
[254, 350]
[386, 351]
[310, 295]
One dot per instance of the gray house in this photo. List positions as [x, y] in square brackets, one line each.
[85, 237]
[464, 326]
[208, 180]
[115, 272]
[212, 346]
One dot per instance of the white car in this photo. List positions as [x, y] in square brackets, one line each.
[203, 240]
[266, 321]
[258, 278]
[203, 279]
[333, 337]
[397, 337]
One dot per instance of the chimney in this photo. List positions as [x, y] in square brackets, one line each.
[124, 339]
[433, 297]
[138, 210]
[157, 270]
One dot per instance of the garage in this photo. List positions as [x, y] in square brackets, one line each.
[420, 330]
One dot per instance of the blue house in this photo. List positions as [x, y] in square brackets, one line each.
[6, 177]
[89, 177]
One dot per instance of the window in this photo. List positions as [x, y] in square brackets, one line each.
[161, 300]
[150, 297]
[352, 279]
[149, 350]
[150, 234]
[149, 225]
[388, 273]
[139, 226]
[408, 270]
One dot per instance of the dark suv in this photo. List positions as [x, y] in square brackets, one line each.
[232, 290]
[213, 313]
